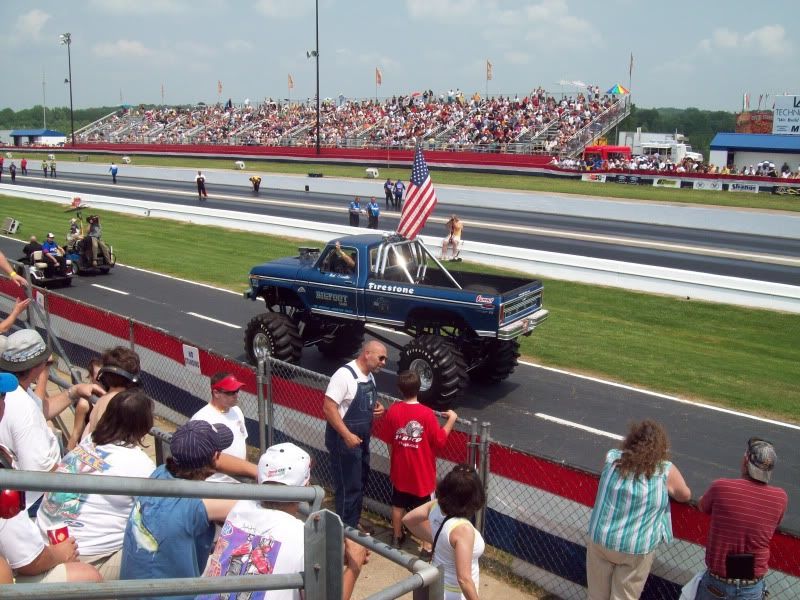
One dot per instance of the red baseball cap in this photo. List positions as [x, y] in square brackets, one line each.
[228, 384]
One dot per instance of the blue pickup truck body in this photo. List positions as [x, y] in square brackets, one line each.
[399, 284]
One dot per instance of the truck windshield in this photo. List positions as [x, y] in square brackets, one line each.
[339, 261]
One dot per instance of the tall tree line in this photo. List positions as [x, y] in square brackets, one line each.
[57, 117]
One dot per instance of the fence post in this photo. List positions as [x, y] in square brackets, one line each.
[324, 556]
[434, 591]
[270, 404]
[483, 473]
[472, 444]
[262, 413]
[132, 334]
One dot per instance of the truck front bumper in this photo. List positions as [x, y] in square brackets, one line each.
[523, 326]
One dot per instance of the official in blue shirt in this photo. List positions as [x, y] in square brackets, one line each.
[355, 212]
[373, 212]
[113, 169]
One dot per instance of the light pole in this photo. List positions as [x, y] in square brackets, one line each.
[66, 40]
[315, 54]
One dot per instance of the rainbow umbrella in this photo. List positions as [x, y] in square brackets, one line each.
[618, 90]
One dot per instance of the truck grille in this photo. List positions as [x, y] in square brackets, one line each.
[520, 307]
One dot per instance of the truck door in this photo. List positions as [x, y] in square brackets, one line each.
[332, 287]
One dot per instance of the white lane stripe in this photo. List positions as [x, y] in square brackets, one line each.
[108, 289]
[664, 396]
[174, 278]
[213, 320]
[613, 436]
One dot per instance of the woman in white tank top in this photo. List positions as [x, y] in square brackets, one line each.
[444, 522]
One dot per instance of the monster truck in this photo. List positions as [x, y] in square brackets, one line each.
[462, 325]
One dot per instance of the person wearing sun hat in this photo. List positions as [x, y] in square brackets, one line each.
[223, 408]
[745, 513]
[172, 537]
[24, 429]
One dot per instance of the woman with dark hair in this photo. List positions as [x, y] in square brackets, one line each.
[114, 448]
[631, 514]
[445, 523]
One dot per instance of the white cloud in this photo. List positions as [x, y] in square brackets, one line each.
[238, 45]
[122, 49]
[769, 40]
[442, 10]
[141, 7]
[283, 9]
[28, 27]
[515, 57]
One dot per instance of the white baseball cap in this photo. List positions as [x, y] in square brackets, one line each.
[285, 463]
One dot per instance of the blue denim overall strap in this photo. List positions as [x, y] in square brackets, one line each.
[350, 466]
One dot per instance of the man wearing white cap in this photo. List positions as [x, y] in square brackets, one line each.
[261, 538]
[52, 251]
[745, 514]
[223, 408]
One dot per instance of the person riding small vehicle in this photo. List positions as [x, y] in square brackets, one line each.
[90, 253]
[46, 268]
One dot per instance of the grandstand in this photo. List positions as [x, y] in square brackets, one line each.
[538, 123]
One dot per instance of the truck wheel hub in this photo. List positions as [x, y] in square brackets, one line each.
[261, 346]
[424, 371]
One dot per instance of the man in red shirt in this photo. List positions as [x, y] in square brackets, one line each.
[413, 435]
[744, 513]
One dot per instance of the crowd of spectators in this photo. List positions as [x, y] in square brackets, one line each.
[448, 121]
[661, 164]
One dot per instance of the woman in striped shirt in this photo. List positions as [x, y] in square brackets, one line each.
[631, 513]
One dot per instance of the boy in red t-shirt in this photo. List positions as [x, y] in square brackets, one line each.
[413, 435]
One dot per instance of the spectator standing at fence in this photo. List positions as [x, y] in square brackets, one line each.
[354, 211]
[201, 186]
[373, 213]
[168, 537]
[413, 435]
[223, 408]
[399, 188]
[113, 169]
[745, 513]
[23, 165]
[631, 514]
[388, 191]
[446, 524]
[23, 547]
[24, 429]
[114, 449]
[350, 405]
[119, 371]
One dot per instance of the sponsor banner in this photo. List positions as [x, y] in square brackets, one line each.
[743, 187]
[668, 183]
[598, 177]
[786, 118]
[786, 190]
[631, 179]
[705, 184]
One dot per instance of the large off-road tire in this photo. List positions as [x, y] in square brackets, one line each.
[441, 368]
[344, 343]
[273, 334]
[500, 362]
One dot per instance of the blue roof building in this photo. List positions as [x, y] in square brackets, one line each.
[742, 149]
[47, 137]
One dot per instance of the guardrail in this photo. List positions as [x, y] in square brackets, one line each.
[594, 271]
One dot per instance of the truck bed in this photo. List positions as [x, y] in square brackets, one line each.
[479, 282]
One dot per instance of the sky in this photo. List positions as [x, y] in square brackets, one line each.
[701, 54]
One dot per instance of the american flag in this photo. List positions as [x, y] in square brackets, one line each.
[420, 199]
